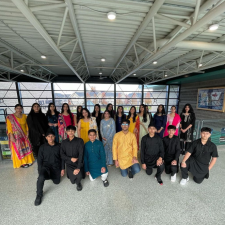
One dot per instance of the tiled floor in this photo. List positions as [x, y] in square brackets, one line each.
[141, 201]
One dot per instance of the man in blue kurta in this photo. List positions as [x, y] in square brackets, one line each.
[95, 159]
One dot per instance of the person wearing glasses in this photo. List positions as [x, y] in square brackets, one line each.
[125, 151]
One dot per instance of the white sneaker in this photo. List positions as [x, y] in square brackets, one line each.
[184, 181]
[173, 178]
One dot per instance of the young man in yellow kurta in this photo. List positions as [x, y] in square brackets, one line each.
[125, 151]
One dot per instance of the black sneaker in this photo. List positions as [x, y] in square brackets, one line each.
[79, 187]
[25, 166]
[160, 182]
[30, 164]
[38, 200]
[130, 174]
[106, 183]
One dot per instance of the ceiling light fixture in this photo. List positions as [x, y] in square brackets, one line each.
[165, 75]
[155, 62]
[100, 73]
[111, 15]
[214, 27]
[43, 57]
[103, 60]
[200, 65]
[134, 74]
[22, 71]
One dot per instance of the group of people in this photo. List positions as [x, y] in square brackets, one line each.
[85, 143]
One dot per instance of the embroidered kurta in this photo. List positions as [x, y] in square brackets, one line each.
[94, 158]
[132, 124]
[27, 159]
[160, 121]
[54, 119]
[143, 128]
[124, 149]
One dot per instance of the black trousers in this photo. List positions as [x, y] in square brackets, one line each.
[171, 169]
[185, 170]
[74, 179]
[47, 173]
[160, 169]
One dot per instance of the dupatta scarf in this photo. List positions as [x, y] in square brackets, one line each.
[22, 145]
[176, 120]
[137, 126]
[93, 125]
[62, 128]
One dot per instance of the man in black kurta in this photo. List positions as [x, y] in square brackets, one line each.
[171, 145]
[72, 152]
[152, 153]
[200, 158]
[50, 164]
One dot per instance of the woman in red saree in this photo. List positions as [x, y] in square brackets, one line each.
[19, 144]
[173, 119]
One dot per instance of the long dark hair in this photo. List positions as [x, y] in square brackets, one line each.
[117, 112]
[69, 112]
[79, 115]
[111, 112]
[190, 110]
[49, 114]
[89, 114]
[32, 111]
[135, 114]
[163, 110]
[144, 114]
[94, 112]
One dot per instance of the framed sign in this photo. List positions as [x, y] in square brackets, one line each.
[211, 99]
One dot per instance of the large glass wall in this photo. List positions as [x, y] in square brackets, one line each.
[74, 94]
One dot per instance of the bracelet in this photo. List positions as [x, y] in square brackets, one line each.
[183, 162]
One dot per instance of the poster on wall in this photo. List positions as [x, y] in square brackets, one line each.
[211, 99]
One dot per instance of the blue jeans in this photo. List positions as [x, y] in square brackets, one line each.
[134, 168]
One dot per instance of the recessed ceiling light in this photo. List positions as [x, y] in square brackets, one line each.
[165, 75]
[200, 65]
[22, 71]
[111, 15]
[100, 73]
[155, 62]
[103, 60]
[134, 74]
[214, 27]
[43, 57]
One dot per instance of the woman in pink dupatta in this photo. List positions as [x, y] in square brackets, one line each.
[19, 144]
[65, 119]
[172, 119]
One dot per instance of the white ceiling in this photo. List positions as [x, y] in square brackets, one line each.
[31, 28]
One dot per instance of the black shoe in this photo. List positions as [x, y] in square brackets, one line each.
[130, 174]
[38, 200]
[160, 182]
[25, 166]
[79, 187]
[106, 183]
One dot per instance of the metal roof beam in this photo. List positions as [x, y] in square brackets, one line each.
[47, 7]
[153, 10]
[204, 20]
[33, 20]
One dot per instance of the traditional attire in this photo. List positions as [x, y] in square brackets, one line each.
[54, 119]
[198, 162]
[124, 149]
[144, 127]
[85, 127]
[21, 150]
[151, 150]
[63, 122]
[175, 121]
[186, 120]
[119, 122]
[134, 125]
[38, 126]
[50, 165]
[160, 121]
[73, 149]
[94, 160]
[98, 121]
[172, 152]
[108, 130]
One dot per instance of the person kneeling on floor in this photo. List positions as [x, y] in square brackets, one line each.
[172, 152]
[152, 153]
[72, 150]
[50, 164]
[95, 158]
[200, 158]
[125, 151]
